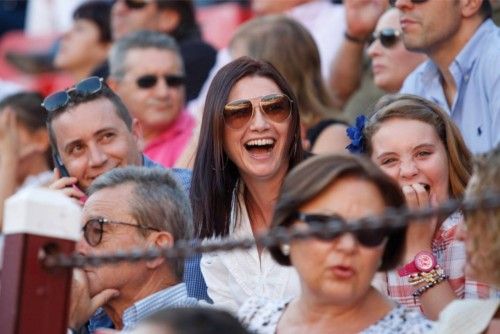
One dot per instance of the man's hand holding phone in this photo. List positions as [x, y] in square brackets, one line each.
[67, 184]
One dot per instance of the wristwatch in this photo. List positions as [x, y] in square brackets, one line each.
[424, 261]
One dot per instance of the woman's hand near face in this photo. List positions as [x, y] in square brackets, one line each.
[419, 234]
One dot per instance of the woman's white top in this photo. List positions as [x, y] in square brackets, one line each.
[232, 277]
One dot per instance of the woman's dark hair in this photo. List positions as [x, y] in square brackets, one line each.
[188, 27]
[311, 177]
[29, 112]
[99, 12]
[196, 320]
[211, 196]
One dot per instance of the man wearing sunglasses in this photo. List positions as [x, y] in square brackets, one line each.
[147, 72]
[128, 209]
[172, 17]
[463, 72]
[91, 133]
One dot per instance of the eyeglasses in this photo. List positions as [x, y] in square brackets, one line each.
[276, 107]
[86, 87]
[393, 2]
[388, 37]
[150, 80]
[93, 229]
[366, 237]
[136, 4]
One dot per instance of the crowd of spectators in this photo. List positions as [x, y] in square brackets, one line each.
[315, 112]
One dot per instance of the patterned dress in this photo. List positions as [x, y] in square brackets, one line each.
[261, 316]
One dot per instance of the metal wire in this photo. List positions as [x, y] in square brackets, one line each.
[392, 219]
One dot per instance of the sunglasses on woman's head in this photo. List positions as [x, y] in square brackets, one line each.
[393, 2]
[86, 87]
[388, 37]
[275, 107]
[366, 237]
[150, 80]
[93, 229]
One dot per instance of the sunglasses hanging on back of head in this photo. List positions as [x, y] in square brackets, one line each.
[393, 2]
[86, 87]
[388, 37]
[276, 107]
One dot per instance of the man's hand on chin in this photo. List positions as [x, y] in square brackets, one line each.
[82, 306]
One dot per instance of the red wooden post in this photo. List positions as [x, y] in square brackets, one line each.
[34, 299]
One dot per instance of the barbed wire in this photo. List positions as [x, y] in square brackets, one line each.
[391, 220]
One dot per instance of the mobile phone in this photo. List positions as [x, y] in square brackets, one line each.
[59, 164]
[64, 172]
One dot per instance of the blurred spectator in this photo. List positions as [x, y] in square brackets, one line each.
[190, 321]
[84, 48]
[49, 17]
[287, 45]
[12, 15]
[463, 73]
[147, 72]
[336, 272]
[322, 18]
[25, 159]
[351, 80]
[481, 233]
[391, 61]
[131, 208]
[249, 140]
[176, 18]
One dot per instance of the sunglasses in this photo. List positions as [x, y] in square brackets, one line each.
[393, 2]
[388, 37]
[150, 80]
[93, 229]
[136, 4]
[275, 107]
[86, 87]
[366, 237]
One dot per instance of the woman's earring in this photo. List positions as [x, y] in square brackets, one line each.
[285, 249]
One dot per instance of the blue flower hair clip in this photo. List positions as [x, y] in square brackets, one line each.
[355, 133]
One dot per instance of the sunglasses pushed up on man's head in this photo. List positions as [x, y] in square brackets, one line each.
[61, 99]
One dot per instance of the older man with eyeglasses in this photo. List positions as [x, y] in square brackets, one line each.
[147, 72]
[130, 208]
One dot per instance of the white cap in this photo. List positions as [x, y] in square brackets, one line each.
[42, 212]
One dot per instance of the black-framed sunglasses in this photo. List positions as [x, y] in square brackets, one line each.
[86, 87]
[393, 2]
[275, 107]
[136, 4]
[150, 80]
[367, 238]
[94, 228]
[388, 37]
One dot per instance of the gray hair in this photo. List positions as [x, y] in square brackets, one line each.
[157, 201]
[139, 40]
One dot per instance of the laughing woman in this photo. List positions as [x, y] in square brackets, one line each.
[417, 144]
[249, 140]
